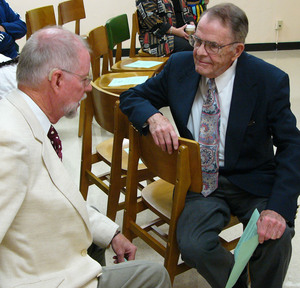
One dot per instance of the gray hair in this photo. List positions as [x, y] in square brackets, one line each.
[232, 16]
[48, 48]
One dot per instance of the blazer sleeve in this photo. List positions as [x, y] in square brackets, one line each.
[286, 138]
[14, 176]
[102, 228]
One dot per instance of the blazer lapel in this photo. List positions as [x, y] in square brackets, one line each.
[57, 172]
[242, 105]
[183, 97]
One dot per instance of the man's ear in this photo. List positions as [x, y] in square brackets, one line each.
[239, 48]
[55, 77]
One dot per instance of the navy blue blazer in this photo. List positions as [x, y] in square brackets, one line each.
[259, 119]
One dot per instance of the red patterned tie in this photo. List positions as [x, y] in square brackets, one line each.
[209, 138]
[55, 141]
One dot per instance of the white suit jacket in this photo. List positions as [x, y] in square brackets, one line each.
[45, 225]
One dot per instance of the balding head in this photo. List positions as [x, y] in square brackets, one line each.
[48, 48]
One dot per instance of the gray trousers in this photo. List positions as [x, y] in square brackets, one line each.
[203, 219]
[135, 274]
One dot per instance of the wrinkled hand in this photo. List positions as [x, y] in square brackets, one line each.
[2, 29]
[163, 133]
[123, 248]
[270, 225]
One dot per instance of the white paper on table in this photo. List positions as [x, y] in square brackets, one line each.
[143, 64]
[135, 80]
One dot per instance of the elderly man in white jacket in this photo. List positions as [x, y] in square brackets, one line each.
[46, 226]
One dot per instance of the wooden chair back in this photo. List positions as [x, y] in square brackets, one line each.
[167, 167]
[72, 10]
[99, 104]
[97, 40]
[39, 18]
[135, 30]
[103, 106]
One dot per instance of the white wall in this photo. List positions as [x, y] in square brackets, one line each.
[262, 16]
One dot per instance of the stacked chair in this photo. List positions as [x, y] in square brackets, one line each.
[118, 32]
[100, 106]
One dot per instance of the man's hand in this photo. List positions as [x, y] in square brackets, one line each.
[123, 248]
[2, 29]
[270, 225]
[163, 133]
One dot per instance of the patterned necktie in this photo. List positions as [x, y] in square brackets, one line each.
[55, 141]
[209, 138]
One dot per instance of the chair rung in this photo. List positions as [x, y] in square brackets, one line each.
[95, 180]
[160, 233]
[157, 222]
[150, 240]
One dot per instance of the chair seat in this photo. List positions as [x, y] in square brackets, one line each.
[158, 196]
[105, 80]
[121, 65]
[105, 150]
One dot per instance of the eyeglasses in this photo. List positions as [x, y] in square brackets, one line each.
[85, 79]
[210, 47]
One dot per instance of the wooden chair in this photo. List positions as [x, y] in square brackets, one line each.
[39, 18]
[69, 11]
[117, 32]
[102, 76]
[100, 104]
[97, 39]
[165, 198]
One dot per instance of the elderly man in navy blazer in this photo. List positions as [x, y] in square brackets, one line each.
[254, 107]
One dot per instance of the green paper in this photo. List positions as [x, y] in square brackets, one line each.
[244, 249]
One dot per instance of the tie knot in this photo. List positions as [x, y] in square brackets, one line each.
[55, 141]
[211, 84]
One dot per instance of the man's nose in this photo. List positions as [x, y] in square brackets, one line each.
[201, 50]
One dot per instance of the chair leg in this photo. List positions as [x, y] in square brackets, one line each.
[113, 200]
[81, 118]
[84, 185]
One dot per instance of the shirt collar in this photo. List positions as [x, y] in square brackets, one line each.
[38, 112]
[222, 80]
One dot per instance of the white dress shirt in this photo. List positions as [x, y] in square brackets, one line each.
[224, 84]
